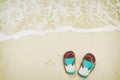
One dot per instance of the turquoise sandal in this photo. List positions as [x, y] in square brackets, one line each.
[69, 61]
[88, 64]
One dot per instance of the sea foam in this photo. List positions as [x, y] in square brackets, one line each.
[60, 29]
[37, 17]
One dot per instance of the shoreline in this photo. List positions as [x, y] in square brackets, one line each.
[61, 29]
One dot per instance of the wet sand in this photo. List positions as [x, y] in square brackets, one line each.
[40, 57]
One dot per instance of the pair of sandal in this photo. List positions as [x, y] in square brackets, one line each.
[87, 65]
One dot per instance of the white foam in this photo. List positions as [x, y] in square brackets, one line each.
[61, 29]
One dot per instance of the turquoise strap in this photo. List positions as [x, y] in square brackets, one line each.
[69, 61]
[88, 64]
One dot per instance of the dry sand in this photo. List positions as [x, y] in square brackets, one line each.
[40, 57]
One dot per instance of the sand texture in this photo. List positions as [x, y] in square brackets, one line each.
[40, 57]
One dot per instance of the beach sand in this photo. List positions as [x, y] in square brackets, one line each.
[40, 57]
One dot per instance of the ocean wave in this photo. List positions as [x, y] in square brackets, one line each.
[37, 17]
[61, 29]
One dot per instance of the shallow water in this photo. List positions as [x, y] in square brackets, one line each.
[42, 16]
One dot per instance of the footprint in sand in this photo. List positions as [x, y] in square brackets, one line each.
[49, 61]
